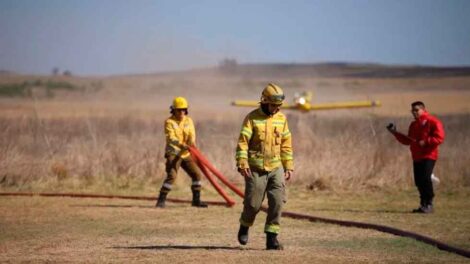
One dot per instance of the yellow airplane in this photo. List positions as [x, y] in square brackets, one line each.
[303, 102]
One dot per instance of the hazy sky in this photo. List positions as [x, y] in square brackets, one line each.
[95, 37]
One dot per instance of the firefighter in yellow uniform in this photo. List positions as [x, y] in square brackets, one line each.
[180, 134]
[264, 157]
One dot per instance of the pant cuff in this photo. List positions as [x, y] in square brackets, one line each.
[272, 229]
[164, 189]
[245, 224]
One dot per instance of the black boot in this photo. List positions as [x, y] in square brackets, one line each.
[425, 208]
[161, 200]
[428, 209]
[243, 235]
[421, 207]
[272, 243]
[197, 200]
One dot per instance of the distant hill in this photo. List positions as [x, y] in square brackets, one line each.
[305, 70]
[359, 70]
[3, 72]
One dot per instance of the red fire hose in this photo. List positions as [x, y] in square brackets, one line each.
[384, 229]
[230, 202]
[203, 161]
[380, 228]
[204, 164]
[83, 195]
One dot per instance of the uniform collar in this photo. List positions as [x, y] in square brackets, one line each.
[423, 116]
[261, 112]
[177, 121]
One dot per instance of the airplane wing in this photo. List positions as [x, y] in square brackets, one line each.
[320, 106]
[256, 104]
[245, 103]
[342, 105]
[289, 106]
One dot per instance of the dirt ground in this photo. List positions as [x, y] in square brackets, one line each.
[64, 230]
[108, 138]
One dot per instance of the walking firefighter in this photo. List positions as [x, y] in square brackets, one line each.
[265, 159]
[180, 134]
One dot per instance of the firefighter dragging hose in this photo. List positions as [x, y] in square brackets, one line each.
[180, 135]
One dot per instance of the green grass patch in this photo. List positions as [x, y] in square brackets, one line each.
[15, 90]
[25, 88]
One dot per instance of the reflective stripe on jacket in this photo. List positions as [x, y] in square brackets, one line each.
[265, 142]
[427, 128]
[177, 133]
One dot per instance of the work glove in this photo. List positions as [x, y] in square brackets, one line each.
[184, 146]
[288, 174]
[245, 172]
[392, 128]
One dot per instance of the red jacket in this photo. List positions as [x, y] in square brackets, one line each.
[427, 128]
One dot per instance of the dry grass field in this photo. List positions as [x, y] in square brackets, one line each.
[58, 230]
[105, 135]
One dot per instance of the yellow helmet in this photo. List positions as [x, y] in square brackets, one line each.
[272, 94]
[179, 103]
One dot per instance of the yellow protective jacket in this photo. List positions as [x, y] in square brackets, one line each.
[265, 142]
[178, 133]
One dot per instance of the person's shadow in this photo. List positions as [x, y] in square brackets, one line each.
[363, 211]
[113, 205]
[158, 247]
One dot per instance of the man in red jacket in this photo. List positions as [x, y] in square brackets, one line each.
[425, 134]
